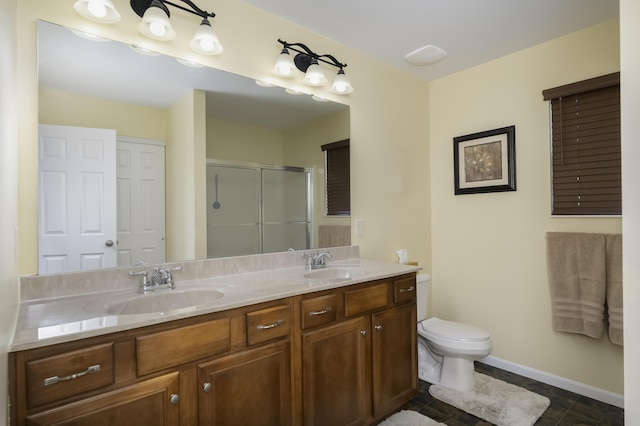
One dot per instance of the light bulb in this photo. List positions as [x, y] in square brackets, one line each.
[284, 66]
[284, 69]
[206, 44]
[97, 8]
[157, 29]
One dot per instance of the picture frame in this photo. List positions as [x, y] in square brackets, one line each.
[485, 161]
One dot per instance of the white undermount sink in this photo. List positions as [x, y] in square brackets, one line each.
[163, 301]
[337, 273]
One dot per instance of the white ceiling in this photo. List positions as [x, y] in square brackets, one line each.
[470, 31]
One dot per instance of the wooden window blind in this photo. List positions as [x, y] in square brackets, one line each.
[585, 142]
[338, 177]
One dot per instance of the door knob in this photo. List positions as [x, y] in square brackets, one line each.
[108, 243]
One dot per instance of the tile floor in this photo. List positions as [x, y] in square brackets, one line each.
[566, 409]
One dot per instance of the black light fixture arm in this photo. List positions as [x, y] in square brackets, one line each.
[140, 6]
[194, 9]
[304, 50]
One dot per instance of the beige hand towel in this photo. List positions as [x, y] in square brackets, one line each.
[614, 287]
[576, 270]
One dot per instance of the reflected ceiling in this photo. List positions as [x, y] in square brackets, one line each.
[73, 64]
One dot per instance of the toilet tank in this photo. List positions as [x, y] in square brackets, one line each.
[423, 286]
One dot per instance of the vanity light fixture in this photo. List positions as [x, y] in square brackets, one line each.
[308, 62]
[102, 11]
[155, 24]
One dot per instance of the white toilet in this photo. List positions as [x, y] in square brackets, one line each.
[446, 349]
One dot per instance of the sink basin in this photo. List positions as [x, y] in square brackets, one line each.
[337, 274]
[164, 301]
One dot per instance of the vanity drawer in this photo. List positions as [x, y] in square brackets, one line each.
[404, 289]
[319, 310]
[365, 299]
[268, 324]
[165, 349]
[68, 374]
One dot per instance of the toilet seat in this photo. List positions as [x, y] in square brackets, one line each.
[436, 328]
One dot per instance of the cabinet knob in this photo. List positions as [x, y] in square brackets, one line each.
[175, 398]
[363, 332]
[378, 327]
[206, 387]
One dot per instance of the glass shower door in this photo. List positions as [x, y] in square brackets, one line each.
[233, 211]
[285, 209]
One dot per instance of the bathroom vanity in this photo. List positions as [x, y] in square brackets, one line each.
[283, 346]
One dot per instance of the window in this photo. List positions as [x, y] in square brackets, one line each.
[585, 142]
[338, 180]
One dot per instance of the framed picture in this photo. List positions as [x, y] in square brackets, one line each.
[485, 161]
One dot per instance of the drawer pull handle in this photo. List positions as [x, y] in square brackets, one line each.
[274, 325]
[55, 379]
[321, 312]
[405, 290]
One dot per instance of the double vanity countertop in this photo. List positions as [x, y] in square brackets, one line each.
[69, 315]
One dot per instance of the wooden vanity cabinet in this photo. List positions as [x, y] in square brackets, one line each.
[156, 375]
[153, 402]
[252, 387]
[345, 356]
[361, 364]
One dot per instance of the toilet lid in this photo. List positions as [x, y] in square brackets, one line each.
[454, 330]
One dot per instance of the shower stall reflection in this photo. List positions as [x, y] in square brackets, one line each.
[254, 209]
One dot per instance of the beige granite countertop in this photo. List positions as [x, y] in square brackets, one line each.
[68, 307]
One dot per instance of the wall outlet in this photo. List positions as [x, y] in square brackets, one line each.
[359, 227]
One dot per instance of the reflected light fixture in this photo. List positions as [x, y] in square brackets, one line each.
[155, 24]
[102, 11]
[308, 62]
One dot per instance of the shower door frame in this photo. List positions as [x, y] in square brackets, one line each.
[308, 171]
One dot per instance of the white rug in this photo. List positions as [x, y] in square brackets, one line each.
[495, 401]
[409, 418]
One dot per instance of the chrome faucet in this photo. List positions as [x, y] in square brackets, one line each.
[160, 280]
[316, 260]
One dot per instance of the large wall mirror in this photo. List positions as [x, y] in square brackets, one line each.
[146, 100]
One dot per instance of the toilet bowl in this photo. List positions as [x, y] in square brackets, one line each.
[446, 349]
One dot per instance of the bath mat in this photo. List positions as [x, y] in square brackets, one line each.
[409, 418]
[495, 401]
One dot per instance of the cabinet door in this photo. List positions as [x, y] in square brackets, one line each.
[247, 388]
[333, 375]
[394, 358]
[154, 402]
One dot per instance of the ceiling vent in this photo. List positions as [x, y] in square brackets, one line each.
[426, 55]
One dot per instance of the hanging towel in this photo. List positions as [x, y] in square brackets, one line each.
[576, 270]
[614, 287]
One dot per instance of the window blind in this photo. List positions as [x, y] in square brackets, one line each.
[585, 141]
[338, 179]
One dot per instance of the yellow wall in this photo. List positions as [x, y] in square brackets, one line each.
[243, 143]
[83, 111]
[489, 265]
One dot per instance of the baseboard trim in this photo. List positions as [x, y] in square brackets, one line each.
[557, 381]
